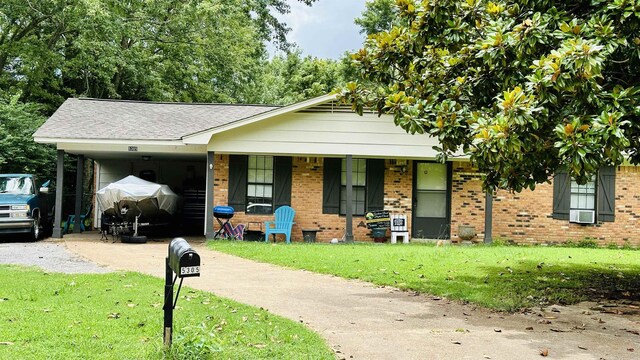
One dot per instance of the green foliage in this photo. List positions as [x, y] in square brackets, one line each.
[290, 78]
[18, 152]
[522, 87]
[503, 278]
[587, 243]
[119, 316]
[162, 50]
[379, 15]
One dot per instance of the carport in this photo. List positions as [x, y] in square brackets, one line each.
[144, 139]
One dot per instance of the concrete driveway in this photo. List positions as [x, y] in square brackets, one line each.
[363, 321]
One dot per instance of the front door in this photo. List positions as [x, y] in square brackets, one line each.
[431, 200]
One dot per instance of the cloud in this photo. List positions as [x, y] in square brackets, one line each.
[325, 29]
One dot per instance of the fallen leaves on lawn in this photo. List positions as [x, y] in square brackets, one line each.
[6, 343]
[114, 316]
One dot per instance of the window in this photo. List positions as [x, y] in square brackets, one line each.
[359, 185]
[598, 194]
[583, 197]
[259, 184]
[367, 182]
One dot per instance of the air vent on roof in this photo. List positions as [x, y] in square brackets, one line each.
[330, 107]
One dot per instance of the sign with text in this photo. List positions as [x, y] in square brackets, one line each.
[378, 219]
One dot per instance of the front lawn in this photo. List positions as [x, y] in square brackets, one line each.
[498, 277]
[119, 316]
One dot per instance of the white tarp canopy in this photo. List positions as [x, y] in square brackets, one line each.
[135, 189]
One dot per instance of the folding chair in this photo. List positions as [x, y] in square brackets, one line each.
[231, 232]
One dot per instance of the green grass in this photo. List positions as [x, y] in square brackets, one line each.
[499, 277]
[119, 316]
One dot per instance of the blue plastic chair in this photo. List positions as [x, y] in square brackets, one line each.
[282, 224]
[71, 219]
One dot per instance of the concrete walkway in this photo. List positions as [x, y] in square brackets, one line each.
[362, 321]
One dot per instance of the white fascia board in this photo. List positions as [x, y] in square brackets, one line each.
[203, 137]
[43, 140]
[128, 147]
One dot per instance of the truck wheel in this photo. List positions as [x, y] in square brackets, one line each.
[35, 230]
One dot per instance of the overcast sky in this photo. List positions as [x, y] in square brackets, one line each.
[325, 29]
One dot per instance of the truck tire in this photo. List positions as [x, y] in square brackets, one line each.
[35, 229]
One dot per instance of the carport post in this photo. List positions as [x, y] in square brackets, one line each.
[57, 230]
[79, 175]
[208, 217]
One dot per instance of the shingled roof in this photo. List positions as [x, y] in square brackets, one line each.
[139, 120]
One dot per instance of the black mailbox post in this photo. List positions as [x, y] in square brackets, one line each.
[184, 262]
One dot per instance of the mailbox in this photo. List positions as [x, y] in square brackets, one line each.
[183, 260]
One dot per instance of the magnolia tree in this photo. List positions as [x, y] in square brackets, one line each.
[523, 88]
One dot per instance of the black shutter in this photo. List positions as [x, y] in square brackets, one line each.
[561, 196]
[282, 181]
[331, 186]
[606, 193]
[238, 165]
[375, 184]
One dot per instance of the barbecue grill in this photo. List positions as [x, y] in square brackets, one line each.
[222, 213]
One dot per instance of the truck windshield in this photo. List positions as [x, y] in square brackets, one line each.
[16, 185]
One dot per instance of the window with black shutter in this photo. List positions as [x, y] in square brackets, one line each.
[259, 184]
[596, 195]
[367, 184]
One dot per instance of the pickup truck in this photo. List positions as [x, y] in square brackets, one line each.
[23, 210]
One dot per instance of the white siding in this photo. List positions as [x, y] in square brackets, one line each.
[307, 133]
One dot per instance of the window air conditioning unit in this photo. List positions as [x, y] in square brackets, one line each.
[582, 216]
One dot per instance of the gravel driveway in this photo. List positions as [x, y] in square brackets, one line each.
[50, 256]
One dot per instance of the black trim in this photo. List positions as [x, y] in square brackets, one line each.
[282, 167]
[607, 194]
[238, 169]
[331, 186]
[561, 196]
[375, 184]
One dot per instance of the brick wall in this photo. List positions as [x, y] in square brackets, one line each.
[467, 199]
[526, 217]
[306, 199]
